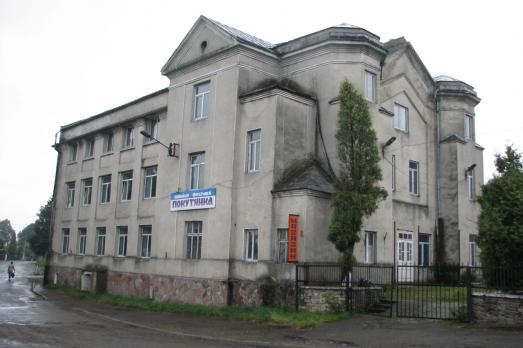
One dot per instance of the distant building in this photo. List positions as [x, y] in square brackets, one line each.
[248, 191]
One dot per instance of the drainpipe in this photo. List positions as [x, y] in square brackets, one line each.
[438, 170]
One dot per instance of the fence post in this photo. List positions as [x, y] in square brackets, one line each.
[296, 290]
[469, 294]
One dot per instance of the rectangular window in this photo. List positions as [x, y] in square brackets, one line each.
[145, 240]
[197, 170]
[100, 241]
[87, 191]
[70, 194]
[283, 244]
[471, 183]
[122, 241]
[393, 172]
[423, 249]
[201, 101]
[152, 126]
[469, 127]
[89, 148]
[108, 142]
[472, 251]
[194, 239]
[127, 186]
[251, 245]
[105, 196]
[370, 86]
[65, 241]
[370, 247]
[253, 150]
[150, 182]
[73, 152]
[414, 177]
[82, 240]
[401, 118]
[128, 137]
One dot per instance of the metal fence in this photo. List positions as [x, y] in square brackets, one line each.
[436, 292]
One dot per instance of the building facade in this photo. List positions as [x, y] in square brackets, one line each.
[244, 190]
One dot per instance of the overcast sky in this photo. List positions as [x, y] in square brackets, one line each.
[61, 61]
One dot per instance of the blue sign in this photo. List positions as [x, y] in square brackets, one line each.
[195, 199]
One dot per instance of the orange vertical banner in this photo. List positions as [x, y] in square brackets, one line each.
[293, 239]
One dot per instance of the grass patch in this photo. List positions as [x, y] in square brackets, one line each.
[277, 316]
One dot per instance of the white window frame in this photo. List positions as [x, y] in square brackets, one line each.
[150, 181]
[121, 245]
[471, 184]
[370, 247]
[251, 244]
[393, 163]
[152, 126]
[101, 235]
[128, 137]
[469, 127]
[473, 249]
[146, 232]
[421, 249]
[126, 192]
[194, 237]
[414, 178]
[73, 152]
[105, 189]
[253, 150]
[89, 148]
[108, 142]
[202, 101]
[82, 240]
[370, 86]
[65, 241]
[71, 189]
[401, 117]
[283, 245]
[197, 170]
[87, 191]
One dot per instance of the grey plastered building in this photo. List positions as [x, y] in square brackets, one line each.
[252, 128]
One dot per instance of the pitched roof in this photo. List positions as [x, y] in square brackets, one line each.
[307, 175]
[241, 36]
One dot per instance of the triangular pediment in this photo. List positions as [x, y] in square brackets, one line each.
[204, 39]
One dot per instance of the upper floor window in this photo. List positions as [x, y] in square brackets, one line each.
[471, 182]
[128, 136]
[108, 142]
[82, 240]
[145, 240]
[370, 86]
[87, 191]
[414, 177]
[469, 127]
[201, 101]
[197, 170]
[393, 176]
[401, 118]
[150, 182]
[127, 186]
[253, 150]
[89, 148]
[70, 194]
[370, 247]
[251, 245]
[152, 126]
[194, 239]
[65, 240]
[73, 152]
[105, 189]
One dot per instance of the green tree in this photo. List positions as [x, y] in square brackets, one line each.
[5, 235]
[39, 241]
[24, 247]
[357, 193]
[501, 219]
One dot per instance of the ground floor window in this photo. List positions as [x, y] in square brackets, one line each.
[82, 240]
[122, 241]
[65, 240]
[423, 249]
[145, 240]
[370, 247]
[194, 239]
[283, 244]
[251, 245]
[100, 241]
[472, 250]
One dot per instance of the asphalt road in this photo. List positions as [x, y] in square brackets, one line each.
[28, 320]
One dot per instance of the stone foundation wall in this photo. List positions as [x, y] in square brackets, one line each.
[328, 298]
[498, 309]
[258, 293]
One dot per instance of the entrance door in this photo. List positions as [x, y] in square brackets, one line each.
[405, 262]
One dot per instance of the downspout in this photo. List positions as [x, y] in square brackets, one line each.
[56, 146]
[438, 174]
[318, 125]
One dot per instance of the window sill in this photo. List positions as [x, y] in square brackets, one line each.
[252, 261]
[87, 159]
[107, 154]
[199, 119]
[401, 130]
[127, 148]
[150, 143]
[71, 162]
[105, 203]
